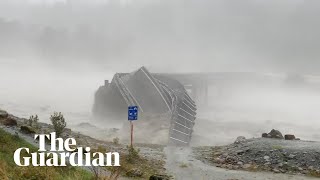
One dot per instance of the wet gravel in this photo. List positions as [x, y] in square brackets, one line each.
[265, 154]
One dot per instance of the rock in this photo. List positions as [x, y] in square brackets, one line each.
[246, 166]
[265, 135]
[159, 177]
[297, 139]
[267, 163]
[9, 121]
[134, 172]
[215, 154]
[283, 171]
[291, 156]
[240, 139]
[27, 130]
[240, 163]
[231, 160]
[229, 166]
[311, 168]
[3, 114]
[267, 158]
[236, 167]
[289, 137]
[219, 160]
[275, 134]
[276, 170]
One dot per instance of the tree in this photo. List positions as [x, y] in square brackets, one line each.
[58, 123]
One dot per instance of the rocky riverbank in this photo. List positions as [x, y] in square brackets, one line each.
[265, 154]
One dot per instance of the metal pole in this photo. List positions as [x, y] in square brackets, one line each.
[131, 133]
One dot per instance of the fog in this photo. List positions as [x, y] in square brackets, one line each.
[219, 35]
[55, 54]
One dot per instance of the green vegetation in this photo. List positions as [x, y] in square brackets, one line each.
[115, 141]
[133, 165]
[183, 165]
[133, 154]
[9, 170]
[277, 147]
[58, 123]
[31, 125]
[33, 121]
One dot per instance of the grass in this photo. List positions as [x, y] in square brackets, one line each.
[130, 161]
[9, 170]
[183, 165]
[277, 147]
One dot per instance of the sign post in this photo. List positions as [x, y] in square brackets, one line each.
[132, 116]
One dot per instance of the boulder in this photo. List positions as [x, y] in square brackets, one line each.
[240, 139]
[9, 122]
[276, 170]
[275, 134]
[265, 135]
[246, 166]
[27, 130]
[291, 156]
[289, 137]
[3, 114]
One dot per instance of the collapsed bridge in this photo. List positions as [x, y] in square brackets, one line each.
[163, 104]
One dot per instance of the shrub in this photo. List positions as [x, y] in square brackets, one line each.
[115, 140]
[133, 154]
[183, 165]
[58, 123]
[32, 121]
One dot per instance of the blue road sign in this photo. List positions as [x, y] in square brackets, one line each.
[132, 113]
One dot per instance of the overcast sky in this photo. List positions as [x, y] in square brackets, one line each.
[166, 35]
[55, 54]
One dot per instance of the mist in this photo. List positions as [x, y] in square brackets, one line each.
[219, 35]
[55, 54]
